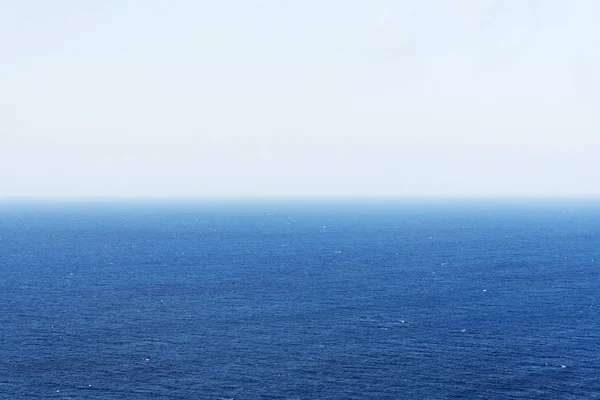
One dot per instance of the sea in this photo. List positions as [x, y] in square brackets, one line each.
[299, 299]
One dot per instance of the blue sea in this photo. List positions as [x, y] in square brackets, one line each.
[281, 299]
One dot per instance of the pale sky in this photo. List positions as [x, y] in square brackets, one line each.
[300, 98]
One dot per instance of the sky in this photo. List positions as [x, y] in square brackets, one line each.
[311, 98]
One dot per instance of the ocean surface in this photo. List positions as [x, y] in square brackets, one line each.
[300, 300]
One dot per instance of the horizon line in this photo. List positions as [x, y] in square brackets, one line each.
[440, 197]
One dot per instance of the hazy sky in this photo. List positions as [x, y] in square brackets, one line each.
[311, 97]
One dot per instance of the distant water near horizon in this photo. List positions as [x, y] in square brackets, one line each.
[300, 300]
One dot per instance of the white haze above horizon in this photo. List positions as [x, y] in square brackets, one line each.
[305, 98]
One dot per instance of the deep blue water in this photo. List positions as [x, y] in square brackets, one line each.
[295, 300]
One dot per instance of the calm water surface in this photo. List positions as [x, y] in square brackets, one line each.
[276, 300]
